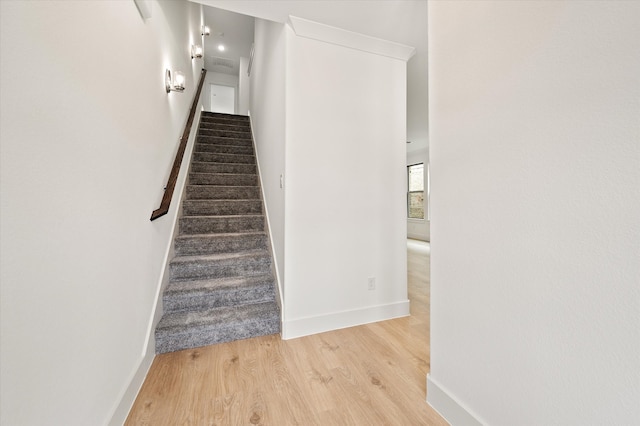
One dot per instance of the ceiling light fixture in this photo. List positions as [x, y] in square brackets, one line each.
[205, 31]
[221, 47]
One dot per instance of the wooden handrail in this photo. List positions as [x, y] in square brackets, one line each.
[173, 177]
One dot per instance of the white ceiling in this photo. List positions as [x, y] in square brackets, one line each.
[401, 21]
[235, 32]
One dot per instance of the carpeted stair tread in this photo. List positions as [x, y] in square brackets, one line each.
[221, 224]
[246, 263]
[224, 149]
[182, 330]
[225, 125]
[213, 293]
[198, 244]
[177, 320]
[223, 179]
[221, 207]
[210, 157]
[195, 286]
[225, 133]
[218, 192]
[204, 167]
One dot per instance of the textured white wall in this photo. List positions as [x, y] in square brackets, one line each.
[535, 166]
[345, 186]
[88, 136]
[267, 110]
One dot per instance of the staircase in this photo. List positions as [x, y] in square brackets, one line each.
[221, 286]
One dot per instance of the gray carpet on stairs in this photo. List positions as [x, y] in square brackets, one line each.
[221, 285]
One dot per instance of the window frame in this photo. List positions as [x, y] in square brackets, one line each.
[409, 192]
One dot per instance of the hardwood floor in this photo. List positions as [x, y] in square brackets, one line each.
[367, 375]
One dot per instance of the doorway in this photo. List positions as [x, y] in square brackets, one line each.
[223, 99]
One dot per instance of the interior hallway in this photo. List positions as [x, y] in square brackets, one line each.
[372, 374]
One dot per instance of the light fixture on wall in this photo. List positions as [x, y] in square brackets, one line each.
[196, 51]
[176, 83]
[205, 30]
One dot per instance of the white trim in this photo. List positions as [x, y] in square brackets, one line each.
[448, 407]
[343, 319]
[316, 31]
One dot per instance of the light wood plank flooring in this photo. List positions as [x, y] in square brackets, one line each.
[368, 375]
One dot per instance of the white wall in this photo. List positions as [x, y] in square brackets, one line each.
[417, 228]
[244, 87]
[267, 110]
[88, 136]
[221, 80]
[345, 185]
[535, 295]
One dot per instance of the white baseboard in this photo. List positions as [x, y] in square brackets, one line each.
[448, 407]
[337, 320]
[129, 395]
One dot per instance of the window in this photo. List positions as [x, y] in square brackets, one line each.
[415, 196]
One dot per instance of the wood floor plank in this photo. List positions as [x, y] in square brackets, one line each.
[368, 375]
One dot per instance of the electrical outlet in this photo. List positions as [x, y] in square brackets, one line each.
[372, 283]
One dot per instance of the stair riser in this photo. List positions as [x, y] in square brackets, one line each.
[224, 141]
[212, 244]
[224, 149]
[222, 179]
[208, 157]
[224, 133]
[221, 208]
[220, 268]
[229, 126]
[197, 337]
[192, 225]
[223, 168]
[208, 192]
[216, 299]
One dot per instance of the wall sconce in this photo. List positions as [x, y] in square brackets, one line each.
[176, 84]
[205, 31]
[196, 51]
